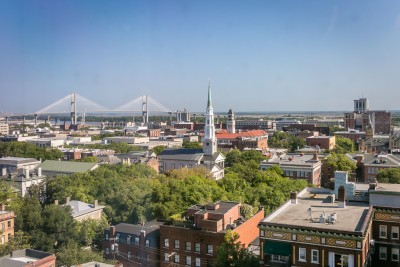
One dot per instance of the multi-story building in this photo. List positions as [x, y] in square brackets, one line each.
[353, 135]
[385, 198]
[22, 179]
[194, 242]
[284, 122]
[7, 225]
[368, 165]
[325, 122]
[313, 230]
[12, 164]
[252, 139]
[359, 119]
[133, 244]
[255, 124]
[51, 168]
[4, 128]
[323, 142]
[296, 166]
[394, 141]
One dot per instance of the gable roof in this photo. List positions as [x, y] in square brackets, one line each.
[181, 154]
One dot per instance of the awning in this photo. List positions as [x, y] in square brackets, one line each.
[277, 248]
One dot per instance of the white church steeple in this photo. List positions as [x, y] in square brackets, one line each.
[210, 142]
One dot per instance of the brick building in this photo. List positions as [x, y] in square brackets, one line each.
[253, 139]
[133, 244]
[194, 242]
[323, 142]
[7, 225]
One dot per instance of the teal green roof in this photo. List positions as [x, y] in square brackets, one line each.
[67, 166]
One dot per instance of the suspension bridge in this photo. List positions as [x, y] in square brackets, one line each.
[74, 103]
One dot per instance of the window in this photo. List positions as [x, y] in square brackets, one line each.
[136, 241]
[383, 231]
[314, 256]
[197, 262]
[197, 247]
[302, 254]
[382, 253]
[188, 260]
[116, 237]
[395, 254]
[106, 236]
[166, 242]
[107, 251]
[9, 237]
[262, 233]
[129, 254]
[176, 258]
[128, 239]
[176, 243]
[395, 232]
[9, 224]
[147, 243]
[147, 257]
[209, 249]
[188, 246]
[166, 256]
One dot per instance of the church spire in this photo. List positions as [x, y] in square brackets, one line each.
[210, 142]
[209, 102]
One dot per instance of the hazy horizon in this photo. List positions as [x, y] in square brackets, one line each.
[260, 55]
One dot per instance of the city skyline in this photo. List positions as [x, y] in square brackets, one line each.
[262, 56]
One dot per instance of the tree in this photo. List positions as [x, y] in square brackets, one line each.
[158, 149]
[233, 254]
[343, 145]
[27, 150]
[72, 254]
[89, 159]
[196, 145]
[391, 175]
[339, 162]
[286, 140]
[232, 157]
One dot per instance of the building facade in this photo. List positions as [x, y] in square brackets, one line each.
[194, 242]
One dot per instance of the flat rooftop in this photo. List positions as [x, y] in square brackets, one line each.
[349, 219]
[388, 187]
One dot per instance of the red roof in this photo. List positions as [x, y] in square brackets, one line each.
[252, 133]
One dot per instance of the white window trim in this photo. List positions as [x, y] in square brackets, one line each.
[305, 254]
[312, 256]
[380, 231]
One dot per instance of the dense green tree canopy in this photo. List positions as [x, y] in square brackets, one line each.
[286, 140]
[391, 175]
[344, 145]
[339, 162]
[27, 150]
[187, 144]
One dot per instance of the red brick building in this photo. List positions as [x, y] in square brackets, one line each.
[254, 139]
[194, 242]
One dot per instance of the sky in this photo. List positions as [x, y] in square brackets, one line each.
[308, 55]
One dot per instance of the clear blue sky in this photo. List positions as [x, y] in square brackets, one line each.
[260, 55]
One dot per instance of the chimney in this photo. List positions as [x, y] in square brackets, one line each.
[143, 233]
[372, 186]
[68, 200]
[56, 202]
[315, 157]
[4, 172]
[26, 173]
[96, 203]
[39, 171]
[3, 206]
[293, 197]
[341, 197]
[112, 231]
